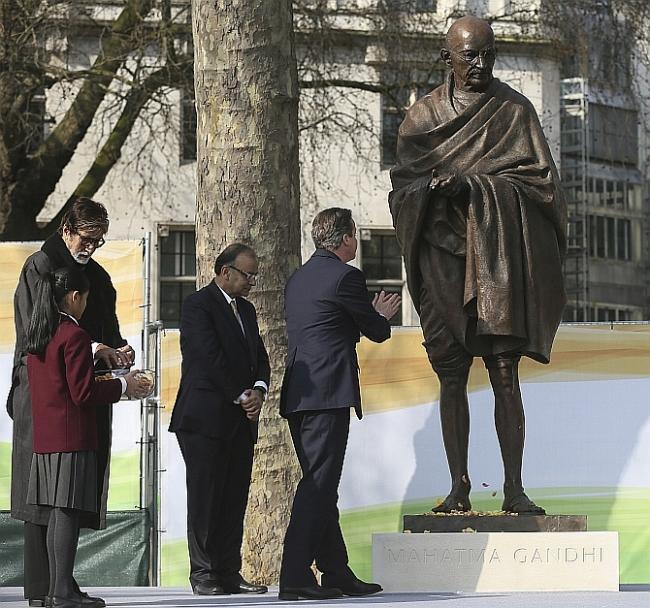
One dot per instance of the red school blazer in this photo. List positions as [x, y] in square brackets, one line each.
[65, 393]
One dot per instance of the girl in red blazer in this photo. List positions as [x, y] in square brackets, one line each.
[64, 394]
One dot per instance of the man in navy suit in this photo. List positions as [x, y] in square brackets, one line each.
[225, 377]
[327, 309]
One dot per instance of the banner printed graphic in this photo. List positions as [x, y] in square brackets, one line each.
[587, 442]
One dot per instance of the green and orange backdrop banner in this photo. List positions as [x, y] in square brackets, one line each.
[587, 438]
[587, 442]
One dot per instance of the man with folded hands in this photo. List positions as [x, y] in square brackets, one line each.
[225, 378]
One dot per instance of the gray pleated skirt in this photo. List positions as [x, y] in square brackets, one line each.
[64, 479]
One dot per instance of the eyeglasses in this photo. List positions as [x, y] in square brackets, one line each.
[472, 57]
[250, 276]
[88, 241]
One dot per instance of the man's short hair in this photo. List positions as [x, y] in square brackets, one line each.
[85, 214]
[329, 226]
[229, 255]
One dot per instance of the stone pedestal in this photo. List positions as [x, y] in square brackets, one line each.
[435, 522]
[496, 561]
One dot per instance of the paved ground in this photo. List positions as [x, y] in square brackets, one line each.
[630, 596]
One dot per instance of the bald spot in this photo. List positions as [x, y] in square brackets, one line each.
[469, 28]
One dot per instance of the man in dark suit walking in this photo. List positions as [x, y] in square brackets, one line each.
[327, 308]
[225, 377]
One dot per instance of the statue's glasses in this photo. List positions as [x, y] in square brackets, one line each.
[472, 57]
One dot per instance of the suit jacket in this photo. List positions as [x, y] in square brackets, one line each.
[327, 308]
[65, 393]
[219, 363]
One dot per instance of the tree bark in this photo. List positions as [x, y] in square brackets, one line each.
[248, 190]
[111, 151]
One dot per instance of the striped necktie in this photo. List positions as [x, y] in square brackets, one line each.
[233, 305]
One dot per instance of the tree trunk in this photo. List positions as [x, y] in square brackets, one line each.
[248, 190]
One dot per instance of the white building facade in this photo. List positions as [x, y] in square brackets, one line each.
[346, 162]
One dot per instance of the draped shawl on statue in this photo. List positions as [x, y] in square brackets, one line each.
[510, 230]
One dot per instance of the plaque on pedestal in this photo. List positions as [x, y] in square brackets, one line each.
[496, 561]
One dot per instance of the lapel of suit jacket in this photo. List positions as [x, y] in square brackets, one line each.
[225, 314]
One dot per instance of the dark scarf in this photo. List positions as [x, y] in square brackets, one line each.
[99, 319]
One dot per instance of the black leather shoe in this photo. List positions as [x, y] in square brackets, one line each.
[82, 599]
[36, 602]
[85, 598]
[91, 602]
[64, 602]
[313, 592]
[208, 588]
[238, 584]
[87, 601]
[351, 586]
[68, 602]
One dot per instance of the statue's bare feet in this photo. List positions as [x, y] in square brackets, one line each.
[453, 502]
[520, 503]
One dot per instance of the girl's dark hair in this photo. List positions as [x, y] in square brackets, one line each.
[50, 291]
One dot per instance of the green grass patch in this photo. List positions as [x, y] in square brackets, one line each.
[124, 482]
[175, 564]
[5, 475]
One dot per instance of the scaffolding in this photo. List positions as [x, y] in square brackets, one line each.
[574, 128]
[150, 468]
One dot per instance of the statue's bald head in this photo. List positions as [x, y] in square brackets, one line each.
[468, 27]
[469, 51]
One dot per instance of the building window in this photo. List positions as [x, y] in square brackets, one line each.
[610, 238]
[188, 126]
[391, 117]
[615, 194]
[412, 6]
[601, 313]
[394, 103]
[177, 255]
[613, 134]
[38, 123]
[381, 262]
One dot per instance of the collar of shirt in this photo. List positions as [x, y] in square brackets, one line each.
[65, 314]
[225, 295]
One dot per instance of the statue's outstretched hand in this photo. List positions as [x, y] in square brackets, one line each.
[451, 185]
